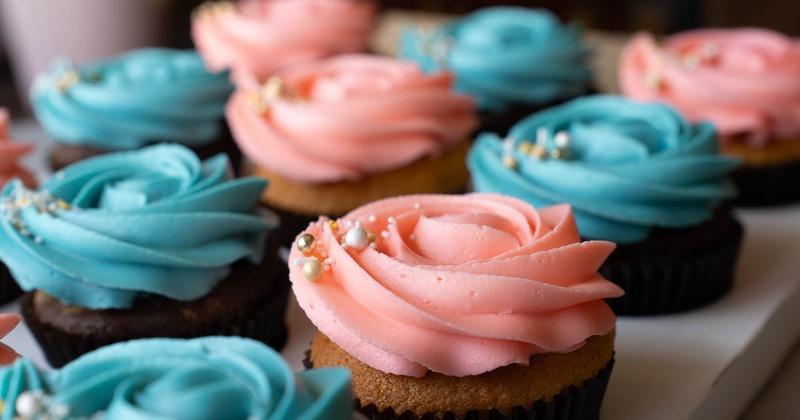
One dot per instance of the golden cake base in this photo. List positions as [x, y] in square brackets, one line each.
[501, 389]
[431, 175]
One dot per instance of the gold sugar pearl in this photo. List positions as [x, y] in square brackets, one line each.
[509, 162]
[372, 236]
[312, 270]
[537, 152]
[525, 147]
[334, 225]
[306, 243]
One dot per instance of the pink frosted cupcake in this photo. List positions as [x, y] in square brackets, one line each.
[257, 38]
[747, 82]
[10, 153]
[341, 132]
[469, 306]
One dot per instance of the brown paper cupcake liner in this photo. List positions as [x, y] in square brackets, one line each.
[260, 315]
[679, 278]
[574, 403]
[767, 185]
[9, 289]
[266, 325]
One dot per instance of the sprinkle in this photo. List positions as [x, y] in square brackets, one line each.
[541, 136]
[306, 243]
[372, 218]
[653, 81]
[385, 234]
[66, 81]
[562, 139]
[358, 224]
[312, 270]
[334, 225]
[357, 238]
[373, 245]
[509, 162]
[391, 220]
[412, 237]
[29, 403]
[300, 261]
[417, 206]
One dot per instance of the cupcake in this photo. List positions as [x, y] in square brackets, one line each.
[459, 306]
[7, 323]
[130, 101]
[216, 378]
[338, 133]
[148, 243]
[634, 173]
[746, 82]
[258, 38]
[514, 60]
[10, 154]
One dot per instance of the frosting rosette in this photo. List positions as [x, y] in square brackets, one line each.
[746, 81]
[138, 98]
[256, 39]
[347, 117]
[10, 154]
[625, 167]
[109, 230]
[505, 55]
[204, 378]
[455, 284]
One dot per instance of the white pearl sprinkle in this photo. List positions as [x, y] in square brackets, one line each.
[59, 411]
[348, 224]
[372, 218]
[562, 139]
[391, 220]
[29, 404]
[358, 224]
[329, 260]
[541, 136]
[357, 238]
[385, 234]
[416, 206]
[373, 245]
[412, 237]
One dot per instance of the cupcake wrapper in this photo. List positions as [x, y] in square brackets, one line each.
[266, 325]
[9, 289]
[768, 184]
[667, 285]
[574, 403]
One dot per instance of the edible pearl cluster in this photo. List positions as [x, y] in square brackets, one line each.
[22, 198]
[37, 405]
[270, 92]
[432, 42]
[538, 150]
[315, 261]
[706, 53]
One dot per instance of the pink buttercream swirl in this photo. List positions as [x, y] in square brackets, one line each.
[745, 81]
[260, 37]
[10, 153]
[459, 285]
[349, 116]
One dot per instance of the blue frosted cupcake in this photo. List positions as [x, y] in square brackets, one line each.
[216, 378]
[127, 102]
[148, 243]
[636, 174]
[514, 60]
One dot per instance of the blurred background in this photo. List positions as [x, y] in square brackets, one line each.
[35, 31]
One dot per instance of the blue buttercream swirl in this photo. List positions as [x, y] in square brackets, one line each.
[141, 97]
[205, 378]
[505, 55]
[631, 166]
[108, 230]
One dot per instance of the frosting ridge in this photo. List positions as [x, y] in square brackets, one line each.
[631, 166]
[109, 230]
[505, 55]
[744, 80]
[203, 378]
[141, 97]
[459, 285]
[348, 116]
[256, 39]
